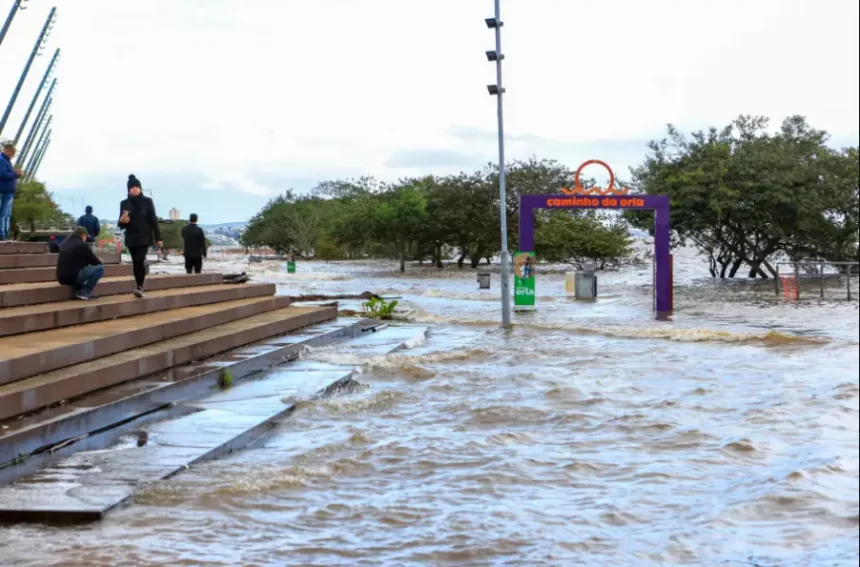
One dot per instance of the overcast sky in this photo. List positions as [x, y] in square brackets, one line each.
[217, 105]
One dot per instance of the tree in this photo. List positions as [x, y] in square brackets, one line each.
[745, 196]
[581, 237]
[34, 206]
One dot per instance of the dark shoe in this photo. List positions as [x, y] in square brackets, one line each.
[82, 296]
[93, 296]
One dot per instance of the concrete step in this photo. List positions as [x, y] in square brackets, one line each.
[32, 318]
[38, 275]
[22, 356]
[84, 486]
[23, 248]
[12, 261]
[43, 390]
[35, 293]
[111, 406]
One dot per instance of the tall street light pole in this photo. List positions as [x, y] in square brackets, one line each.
[39, 42]
[38, 144]
[40, 116]
[39, 159]
[36, 96]
[16, 4]
[495, 23]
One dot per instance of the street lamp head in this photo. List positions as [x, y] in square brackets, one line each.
[494, 89]
[493, 23]
[492, 56]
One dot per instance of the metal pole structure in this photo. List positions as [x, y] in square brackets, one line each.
[28, 176]
[36, 96]
[15, 5]
[38, 146]
[42, 36]
[39, 159]
[40, 117]
[496, 24]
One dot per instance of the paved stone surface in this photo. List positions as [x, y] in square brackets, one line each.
[85, 486]
[25, 355]
[39, 391]
[49, 274]
[23, 248]
[127, 400]
[30, 318]
[14, 295]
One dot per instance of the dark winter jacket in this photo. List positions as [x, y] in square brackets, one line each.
[75, 254]
[7, 175]
[142, 228]
[194, 241]
[90, 222]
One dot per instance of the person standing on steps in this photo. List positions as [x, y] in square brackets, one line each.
[77, 265]
[193, 245]
[138, 220]
[8, 185]
[90, 222]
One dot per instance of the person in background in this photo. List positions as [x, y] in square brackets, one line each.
[8, 185]
[138, 220]
[77, 265]
[193, 245]
[90, 222]
[53, 247]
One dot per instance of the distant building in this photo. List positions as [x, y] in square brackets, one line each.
[174, 214]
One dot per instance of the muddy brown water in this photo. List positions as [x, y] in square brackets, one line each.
[590, 434]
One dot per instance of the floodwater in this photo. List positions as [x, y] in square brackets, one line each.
[590, 434]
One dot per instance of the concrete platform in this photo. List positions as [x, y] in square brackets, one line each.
[38, 275]
[10, 261]
[22, 356]
[80, 417]
[84, 486]
[31, 318]
[23, 248]
[35, 293]
[66, 383]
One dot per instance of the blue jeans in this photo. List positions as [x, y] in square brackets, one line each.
[88, 277]
[5, 213]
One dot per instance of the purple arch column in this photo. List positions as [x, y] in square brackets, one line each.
[663, 278]
[658, 203]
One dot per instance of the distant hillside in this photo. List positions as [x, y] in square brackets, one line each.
[224, 225]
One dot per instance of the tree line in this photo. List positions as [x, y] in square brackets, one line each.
[742, 195]
[433, 218]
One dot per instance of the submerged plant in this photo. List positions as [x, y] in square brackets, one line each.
[225, 381]
[378, 308]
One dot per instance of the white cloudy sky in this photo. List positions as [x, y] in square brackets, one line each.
[218, 104]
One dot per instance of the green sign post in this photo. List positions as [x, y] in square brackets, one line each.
[524, 281]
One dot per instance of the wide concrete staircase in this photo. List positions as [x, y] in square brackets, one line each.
[54, 349]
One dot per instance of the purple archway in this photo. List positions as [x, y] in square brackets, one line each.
[658, 203]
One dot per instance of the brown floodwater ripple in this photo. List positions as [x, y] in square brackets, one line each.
[590, 434]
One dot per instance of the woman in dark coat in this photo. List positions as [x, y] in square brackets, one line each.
[137, 218]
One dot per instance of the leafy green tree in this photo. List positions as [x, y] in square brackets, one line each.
[580, 238]
[34, 207]
[745, 196]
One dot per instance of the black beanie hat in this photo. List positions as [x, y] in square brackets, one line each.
[133, 182]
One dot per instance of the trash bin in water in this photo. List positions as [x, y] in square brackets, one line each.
[585, 283]
[483, 280]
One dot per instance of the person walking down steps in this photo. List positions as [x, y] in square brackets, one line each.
[138, 220]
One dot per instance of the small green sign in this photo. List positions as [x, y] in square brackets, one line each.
[291, 267]
[524, 281]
